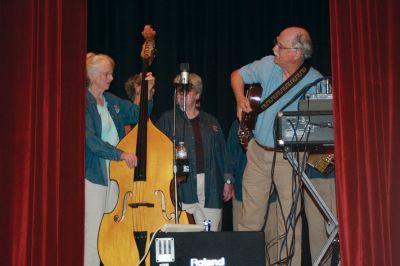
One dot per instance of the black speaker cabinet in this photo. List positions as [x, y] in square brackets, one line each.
[208, 248]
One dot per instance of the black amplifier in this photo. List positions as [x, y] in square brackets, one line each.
[305, 128]
[208, 248]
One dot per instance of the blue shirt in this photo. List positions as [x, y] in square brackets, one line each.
[270, 76]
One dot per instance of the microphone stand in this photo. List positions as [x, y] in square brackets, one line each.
[174, 153]
[174, 161]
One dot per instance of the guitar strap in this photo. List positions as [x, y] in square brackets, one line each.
[283, 88]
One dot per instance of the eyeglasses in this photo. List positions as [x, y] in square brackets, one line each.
[282, 47]
[179, 88]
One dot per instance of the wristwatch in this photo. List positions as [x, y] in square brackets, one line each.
[228, 181]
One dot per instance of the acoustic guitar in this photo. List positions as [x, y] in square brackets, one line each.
[248, 120]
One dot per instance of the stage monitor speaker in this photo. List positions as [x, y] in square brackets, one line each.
[208, 248]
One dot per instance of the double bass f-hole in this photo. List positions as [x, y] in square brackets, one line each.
[116, 217]
[164, 206]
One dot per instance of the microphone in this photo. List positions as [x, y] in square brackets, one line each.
[185, 76]
[184, 82]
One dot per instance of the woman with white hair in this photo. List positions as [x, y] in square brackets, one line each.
[106, 115]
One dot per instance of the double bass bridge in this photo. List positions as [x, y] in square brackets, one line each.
[142, 204]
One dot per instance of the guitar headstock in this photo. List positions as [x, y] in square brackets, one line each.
[148, 46]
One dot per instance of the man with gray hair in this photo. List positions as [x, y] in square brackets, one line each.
[266, 165]
[208, 183]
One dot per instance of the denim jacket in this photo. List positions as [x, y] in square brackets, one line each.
[215, 156]
[98, 151]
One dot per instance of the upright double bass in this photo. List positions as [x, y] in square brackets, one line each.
[144, 200]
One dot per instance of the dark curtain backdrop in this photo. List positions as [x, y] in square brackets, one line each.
[365, 64]
[214, 37]
[43, 45]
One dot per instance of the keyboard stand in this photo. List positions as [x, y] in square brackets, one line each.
[332, 226]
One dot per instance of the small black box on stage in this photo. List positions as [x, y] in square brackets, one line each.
[208, 248]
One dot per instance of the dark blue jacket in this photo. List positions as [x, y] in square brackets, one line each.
[215, 156]
[237, 158]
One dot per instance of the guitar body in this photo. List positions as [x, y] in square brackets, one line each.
[324, 163]
[249, 119]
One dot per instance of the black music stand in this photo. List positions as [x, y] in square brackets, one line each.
[321, 136]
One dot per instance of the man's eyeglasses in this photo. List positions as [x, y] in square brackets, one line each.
[282, 47]
[180, 89]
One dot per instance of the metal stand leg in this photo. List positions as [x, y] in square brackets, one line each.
[332, 221]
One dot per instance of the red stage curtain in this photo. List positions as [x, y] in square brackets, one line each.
[43, 46]
[365, 38]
